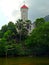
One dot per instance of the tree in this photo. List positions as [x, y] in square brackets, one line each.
[12, 27]
[3, 30]
[24, 34]
[2, 47]
[10, 36]
[28, 24]
[39, 22]
[38, 42]
[1, 34]
[22, 30]
[19, 24]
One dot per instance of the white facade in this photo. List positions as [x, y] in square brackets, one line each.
[24, 13]
[24, 17]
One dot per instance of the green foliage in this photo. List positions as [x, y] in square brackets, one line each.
[3, 30]
[19, 24]
[2, 47]
[28, 24]
[39, 22]
[11, 26]
[10, 38]
[22, 30]
[14, 38]
[38, 42]
[1, 34]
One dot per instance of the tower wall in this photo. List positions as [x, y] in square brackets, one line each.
[24, 14]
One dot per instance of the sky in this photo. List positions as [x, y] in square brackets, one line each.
[10, 10]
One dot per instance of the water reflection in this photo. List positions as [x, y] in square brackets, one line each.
[23, 61]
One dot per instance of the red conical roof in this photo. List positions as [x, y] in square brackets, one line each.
[24, 6]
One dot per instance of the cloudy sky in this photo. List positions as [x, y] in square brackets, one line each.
[10, 9]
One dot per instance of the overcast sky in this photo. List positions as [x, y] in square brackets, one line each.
[10, 9]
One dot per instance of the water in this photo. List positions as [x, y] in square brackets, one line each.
[24, 61]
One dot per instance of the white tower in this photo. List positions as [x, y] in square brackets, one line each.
[24, 12]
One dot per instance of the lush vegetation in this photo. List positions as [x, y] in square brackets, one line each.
[15, 40]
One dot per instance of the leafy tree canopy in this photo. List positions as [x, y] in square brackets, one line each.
[39, 22]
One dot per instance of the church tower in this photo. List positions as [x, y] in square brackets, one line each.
[24, 12]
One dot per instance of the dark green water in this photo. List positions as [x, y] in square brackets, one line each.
[24, 61]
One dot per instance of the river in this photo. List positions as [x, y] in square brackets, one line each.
[24, 61]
